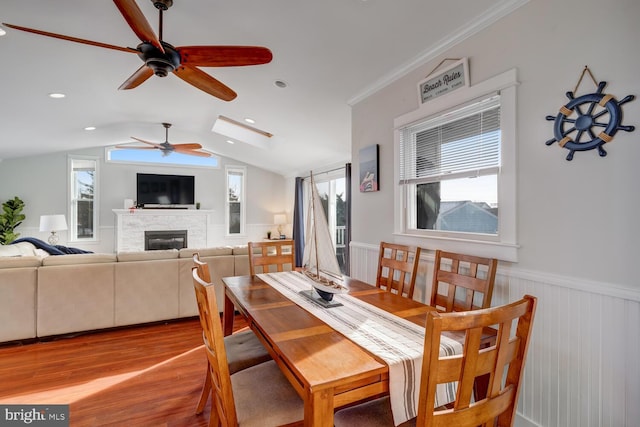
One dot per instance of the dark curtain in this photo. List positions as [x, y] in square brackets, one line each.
[298, 221]
[347, 221]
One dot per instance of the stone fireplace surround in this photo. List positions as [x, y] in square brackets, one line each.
[131, 225]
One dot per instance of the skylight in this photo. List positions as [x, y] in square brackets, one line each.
[242, 132]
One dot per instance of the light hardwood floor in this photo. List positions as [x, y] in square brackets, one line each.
[142, 376]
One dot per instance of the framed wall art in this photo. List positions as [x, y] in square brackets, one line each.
[369, 166]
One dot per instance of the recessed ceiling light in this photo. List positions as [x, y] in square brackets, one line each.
[280, 83]
[249, 120]
[90, 128]
[2, 32]
[56, 95]
[230, 141]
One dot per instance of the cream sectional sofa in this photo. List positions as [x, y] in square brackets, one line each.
[62, 294]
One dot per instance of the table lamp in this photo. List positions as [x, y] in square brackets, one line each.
[280, 220]
[53, 223]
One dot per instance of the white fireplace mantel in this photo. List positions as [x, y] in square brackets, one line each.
[132, 223]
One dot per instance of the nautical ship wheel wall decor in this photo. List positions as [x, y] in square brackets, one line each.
[588, 121]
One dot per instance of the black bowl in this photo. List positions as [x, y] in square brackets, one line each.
[327, 296]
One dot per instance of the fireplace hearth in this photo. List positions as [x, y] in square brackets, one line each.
[165, 239]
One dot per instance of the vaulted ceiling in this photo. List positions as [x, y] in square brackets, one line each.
[329, 54]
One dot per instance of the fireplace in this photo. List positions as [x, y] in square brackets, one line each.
[166, 239]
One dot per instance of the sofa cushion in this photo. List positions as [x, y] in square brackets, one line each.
[18, 303]
[148, 255]
[78, 259]
[203, 252]
[146, 291]
[74, 297]
[241, 250]
[20, 261]
[17, 249]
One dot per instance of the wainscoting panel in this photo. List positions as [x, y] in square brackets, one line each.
[583, 366]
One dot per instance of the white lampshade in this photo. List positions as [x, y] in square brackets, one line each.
[53, 223]
[279, 219]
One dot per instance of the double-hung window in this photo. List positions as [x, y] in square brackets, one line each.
[83, 219]
[235, 212]
[456, 171]
[450, 166]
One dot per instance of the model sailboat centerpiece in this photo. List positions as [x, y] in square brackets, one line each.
[319, 262]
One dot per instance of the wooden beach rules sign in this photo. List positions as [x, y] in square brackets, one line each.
[454, 77]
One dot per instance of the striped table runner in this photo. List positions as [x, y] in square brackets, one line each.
[399, 342]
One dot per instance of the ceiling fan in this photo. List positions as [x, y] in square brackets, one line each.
[166, 147]
[161, 58]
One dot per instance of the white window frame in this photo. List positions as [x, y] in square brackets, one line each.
[73, 219]
[503, 246]
[243, 198]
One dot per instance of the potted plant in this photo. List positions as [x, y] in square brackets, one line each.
[10, 218]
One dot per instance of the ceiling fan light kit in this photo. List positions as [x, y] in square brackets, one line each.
[162, 63]
[161, 58]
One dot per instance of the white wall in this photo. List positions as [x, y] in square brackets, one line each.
[41, 182]
[577, 226]
[575, 218]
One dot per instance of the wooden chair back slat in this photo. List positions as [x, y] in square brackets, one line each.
[276, 255]
[398, 268]
[503, 361]
[465, 278]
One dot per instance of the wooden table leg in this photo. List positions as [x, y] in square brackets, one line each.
[227, 319]
[318, 409]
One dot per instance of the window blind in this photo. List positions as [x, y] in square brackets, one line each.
[464, 142]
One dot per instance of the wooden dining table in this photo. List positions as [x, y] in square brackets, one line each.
[327, 369]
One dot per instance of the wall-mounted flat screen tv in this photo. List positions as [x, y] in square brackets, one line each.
[165, 190]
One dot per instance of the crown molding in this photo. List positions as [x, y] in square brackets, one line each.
[479, 23]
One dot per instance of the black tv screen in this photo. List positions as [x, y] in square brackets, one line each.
[155, 189]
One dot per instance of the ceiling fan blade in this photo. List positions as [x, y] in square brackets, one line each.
[71, 39]
[138, 23]
[153, 144]
[187, 146]
[140, 76]
[193, 153]
[224, 56]
[205, 82]
[135, 147]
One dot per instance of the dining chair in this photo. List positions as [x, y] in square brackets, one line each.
[465, 279]
[243, 348]
[398, 268]
[256, 396]
[503, 361]
[274, 255]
